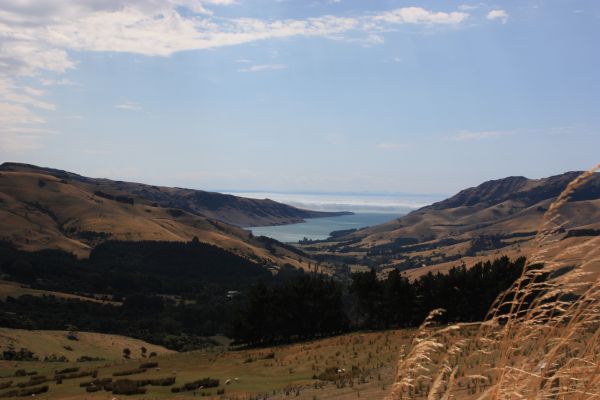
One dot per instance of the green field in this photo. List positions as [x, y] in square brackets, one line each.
[358, 364]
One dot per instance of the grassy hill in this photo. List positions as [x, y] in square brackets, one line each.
[309, 370]
[496, 217]
[234, 210]
[62, 343]
[49, 209]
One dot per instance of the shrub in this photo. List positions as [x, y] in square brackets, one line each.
[93, 388]
[25, 392]
[21, 355]
[130, 372]
[55, 358]
[149, 365]
[204, 382]
[126, 352]
[162, 381]
[6, 385]
[96, 382]
[67, 370]
[89, 358]
[127, 387]
[75, 375]
[35, 380]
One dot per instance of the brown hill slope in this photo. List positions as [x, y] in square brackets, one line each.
[234, 210]
[499, 216]
[61, 210]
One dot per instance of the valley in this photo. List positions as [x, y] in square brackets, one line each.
[94, 284]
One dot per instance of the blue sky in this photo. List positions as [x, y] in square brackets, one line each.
[374, 96]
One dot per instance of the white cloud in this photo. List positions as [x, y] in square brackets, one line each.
[465, 136]
[19, 122]
[57, 82]
[418, 15]
[129, 105]
[263, 67]
[38, 36]
[498, 14]
[154, 27]
[19, 142]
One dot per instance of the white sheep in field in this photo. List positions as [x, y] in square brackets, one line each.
[228, 381]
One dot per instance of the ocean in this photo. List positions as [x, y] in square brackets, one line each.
[320, 228]
[368, 208]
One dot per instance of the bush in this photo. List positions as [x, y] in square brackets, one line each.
[205, 383]
[149, 365]
[89, 358]
[127, 387]
[75, 375]
[25, 392]
[130, 372]
[55, 358]
[35, 380]
[21, 355]
[162, 381]
[67, 370]
[6, 385]
[96, 382]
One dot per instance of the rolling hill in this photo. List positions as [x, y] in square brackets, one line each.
[498, 216]
[45, 208]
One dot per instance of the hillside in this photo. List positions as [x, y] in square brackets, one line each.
[234, 210]
[45, 208]
[72, 347]
[499, 216]
[302, 370]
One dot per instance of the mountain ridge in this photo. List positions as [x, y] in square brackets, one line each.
[518, 188]
[44, 208]
[234, 210]
[497, 216]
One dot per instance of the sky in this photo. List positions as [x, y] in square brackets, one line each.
[316, 96]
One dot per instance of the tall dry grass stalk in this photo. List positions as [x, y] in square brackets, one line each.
[540, 340]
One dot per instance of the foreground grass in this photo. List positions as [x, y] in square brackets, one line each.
[275, 372]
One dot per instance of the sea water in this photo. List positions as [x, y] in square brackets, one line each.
[320, 228]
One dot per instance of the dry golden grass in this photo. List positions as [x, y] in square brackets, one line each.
[365, 361]
[463, 223]
[541, 339]
[15, 289]
[55, 215]
[57, 343]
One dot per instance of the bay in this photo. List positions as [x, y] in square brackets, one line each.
[320, 228]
